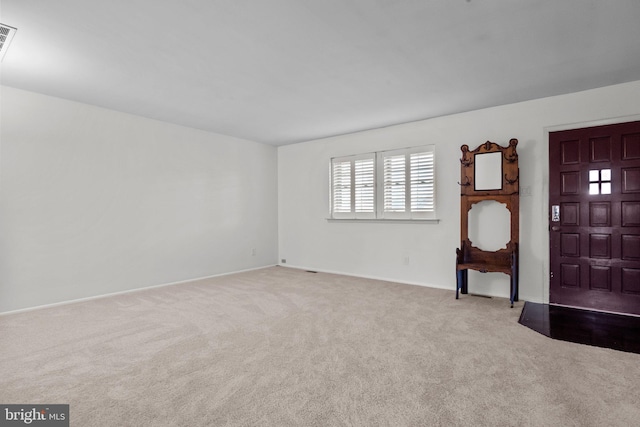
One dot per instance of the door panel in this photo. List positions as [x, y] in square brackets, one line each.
[594, 185]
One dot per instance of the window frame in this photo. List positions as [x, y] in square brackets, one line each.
[410, 194]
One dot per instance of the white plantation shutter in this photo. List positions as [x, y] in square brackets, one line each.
[396, 184]
[341, 187]
[364, 177]
[353, 186]
[422, 182]
[408, 183]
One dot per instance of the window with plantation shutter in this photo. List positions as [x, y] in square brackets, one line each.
[397, 184]
[408, 183]
[353, 186]
[422, 182]
[341, 194]
[364, 178]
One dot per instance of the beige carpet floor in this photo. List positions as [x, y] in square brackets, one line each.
[284, 347]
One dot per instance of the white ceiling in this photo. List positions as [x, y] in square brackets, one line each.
[285, 71]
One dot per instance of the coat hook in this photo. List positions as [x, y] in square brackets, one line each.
[466, 182]
[511, 181]
[466, 162]
[511, 158]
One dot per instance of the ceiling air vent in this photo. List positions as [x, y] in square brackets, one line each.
[6, 34]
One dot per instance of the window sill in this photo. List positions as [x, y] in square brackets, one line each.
[412, 221]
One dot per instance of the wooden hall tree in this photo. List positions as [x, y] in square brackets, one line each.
[490, 172]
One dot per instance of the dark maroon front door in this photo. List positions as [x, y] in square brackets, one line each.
[594, 223]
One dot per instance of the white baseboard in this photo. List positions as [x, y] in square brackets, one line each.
[385, 279]
[128, 291]
[394, 280]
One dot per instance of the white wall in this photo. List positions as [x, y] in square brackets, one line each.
[94, 201]
[308, 240]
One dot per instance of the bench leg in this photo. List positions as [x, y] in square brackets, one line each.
[461, 282]
[465, 283]
[514, 282]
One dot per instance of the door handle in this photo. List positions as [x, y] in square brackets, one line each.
[555, 228]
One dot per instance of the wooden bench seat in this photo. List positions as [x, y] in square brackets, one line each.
[502, 261]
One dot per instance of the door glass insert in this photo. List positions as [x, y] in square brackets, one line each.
[600, 181]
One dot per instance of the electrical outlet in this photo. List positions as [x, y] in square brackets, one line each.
[283, 261]
[253, 251]
[525, 191]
